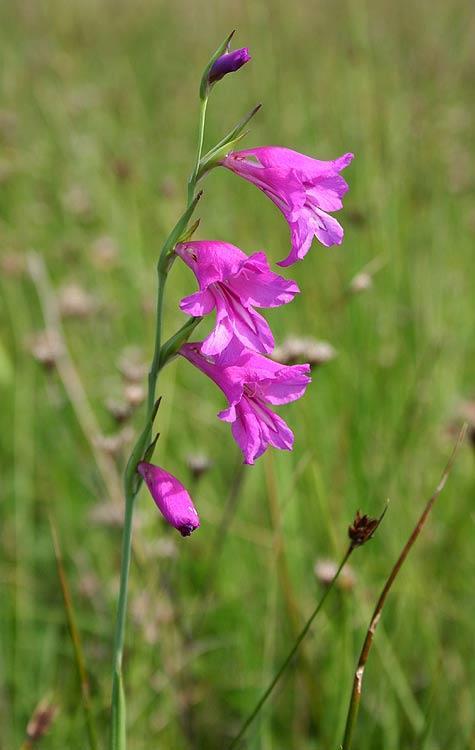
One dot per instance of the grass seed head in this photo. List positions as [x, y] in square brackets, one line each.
[362, 529]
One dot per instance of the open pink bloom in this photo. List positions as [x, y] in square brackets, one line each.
[170, 497]
[251, 384]
[304, 189]
[234, 284]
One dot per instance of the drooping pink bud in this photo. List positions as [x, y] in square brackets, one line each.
[171, 498]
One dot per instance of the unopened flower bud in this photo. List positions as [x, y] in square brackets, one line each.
[228, 63]
[171, 498]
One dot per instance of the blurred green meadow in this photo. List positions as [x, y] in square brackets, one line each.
[98, 116]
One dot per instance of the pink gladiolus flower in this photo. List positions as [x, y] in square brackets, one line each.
[304, 189]
[251, 384]
[170, 497]
[234, 284]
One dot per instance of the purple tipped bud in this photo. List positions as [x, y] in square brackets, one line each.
[171, 498]
[228, 63]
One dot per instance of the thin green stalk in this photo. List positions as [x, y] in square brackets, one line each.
[201, 131]
[118, 739]
[155, 368]
[291, 653]
[131, 483]
[165, 262]
[368, 641]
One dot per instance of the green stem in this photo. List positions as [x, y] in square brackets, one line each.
[291, 654]
[155, 367]
[118, 704]
[165, 261]
[131, 483]
[201, 131]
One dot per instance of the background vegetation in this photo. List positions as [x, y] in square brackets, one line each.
[97, 132]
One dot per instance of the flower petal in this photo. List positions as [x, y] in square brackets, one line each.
[247, 433]
[228, 415]
[326, 192]
[248, 326]
[285, 158]
[211, 261]
[222, 333]
[197, 304]
[281, 436]
[257, 285]
[302, 234]
[256, 427]
[288, 384]
[327, 229]
[282, 186]
[225, 378]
